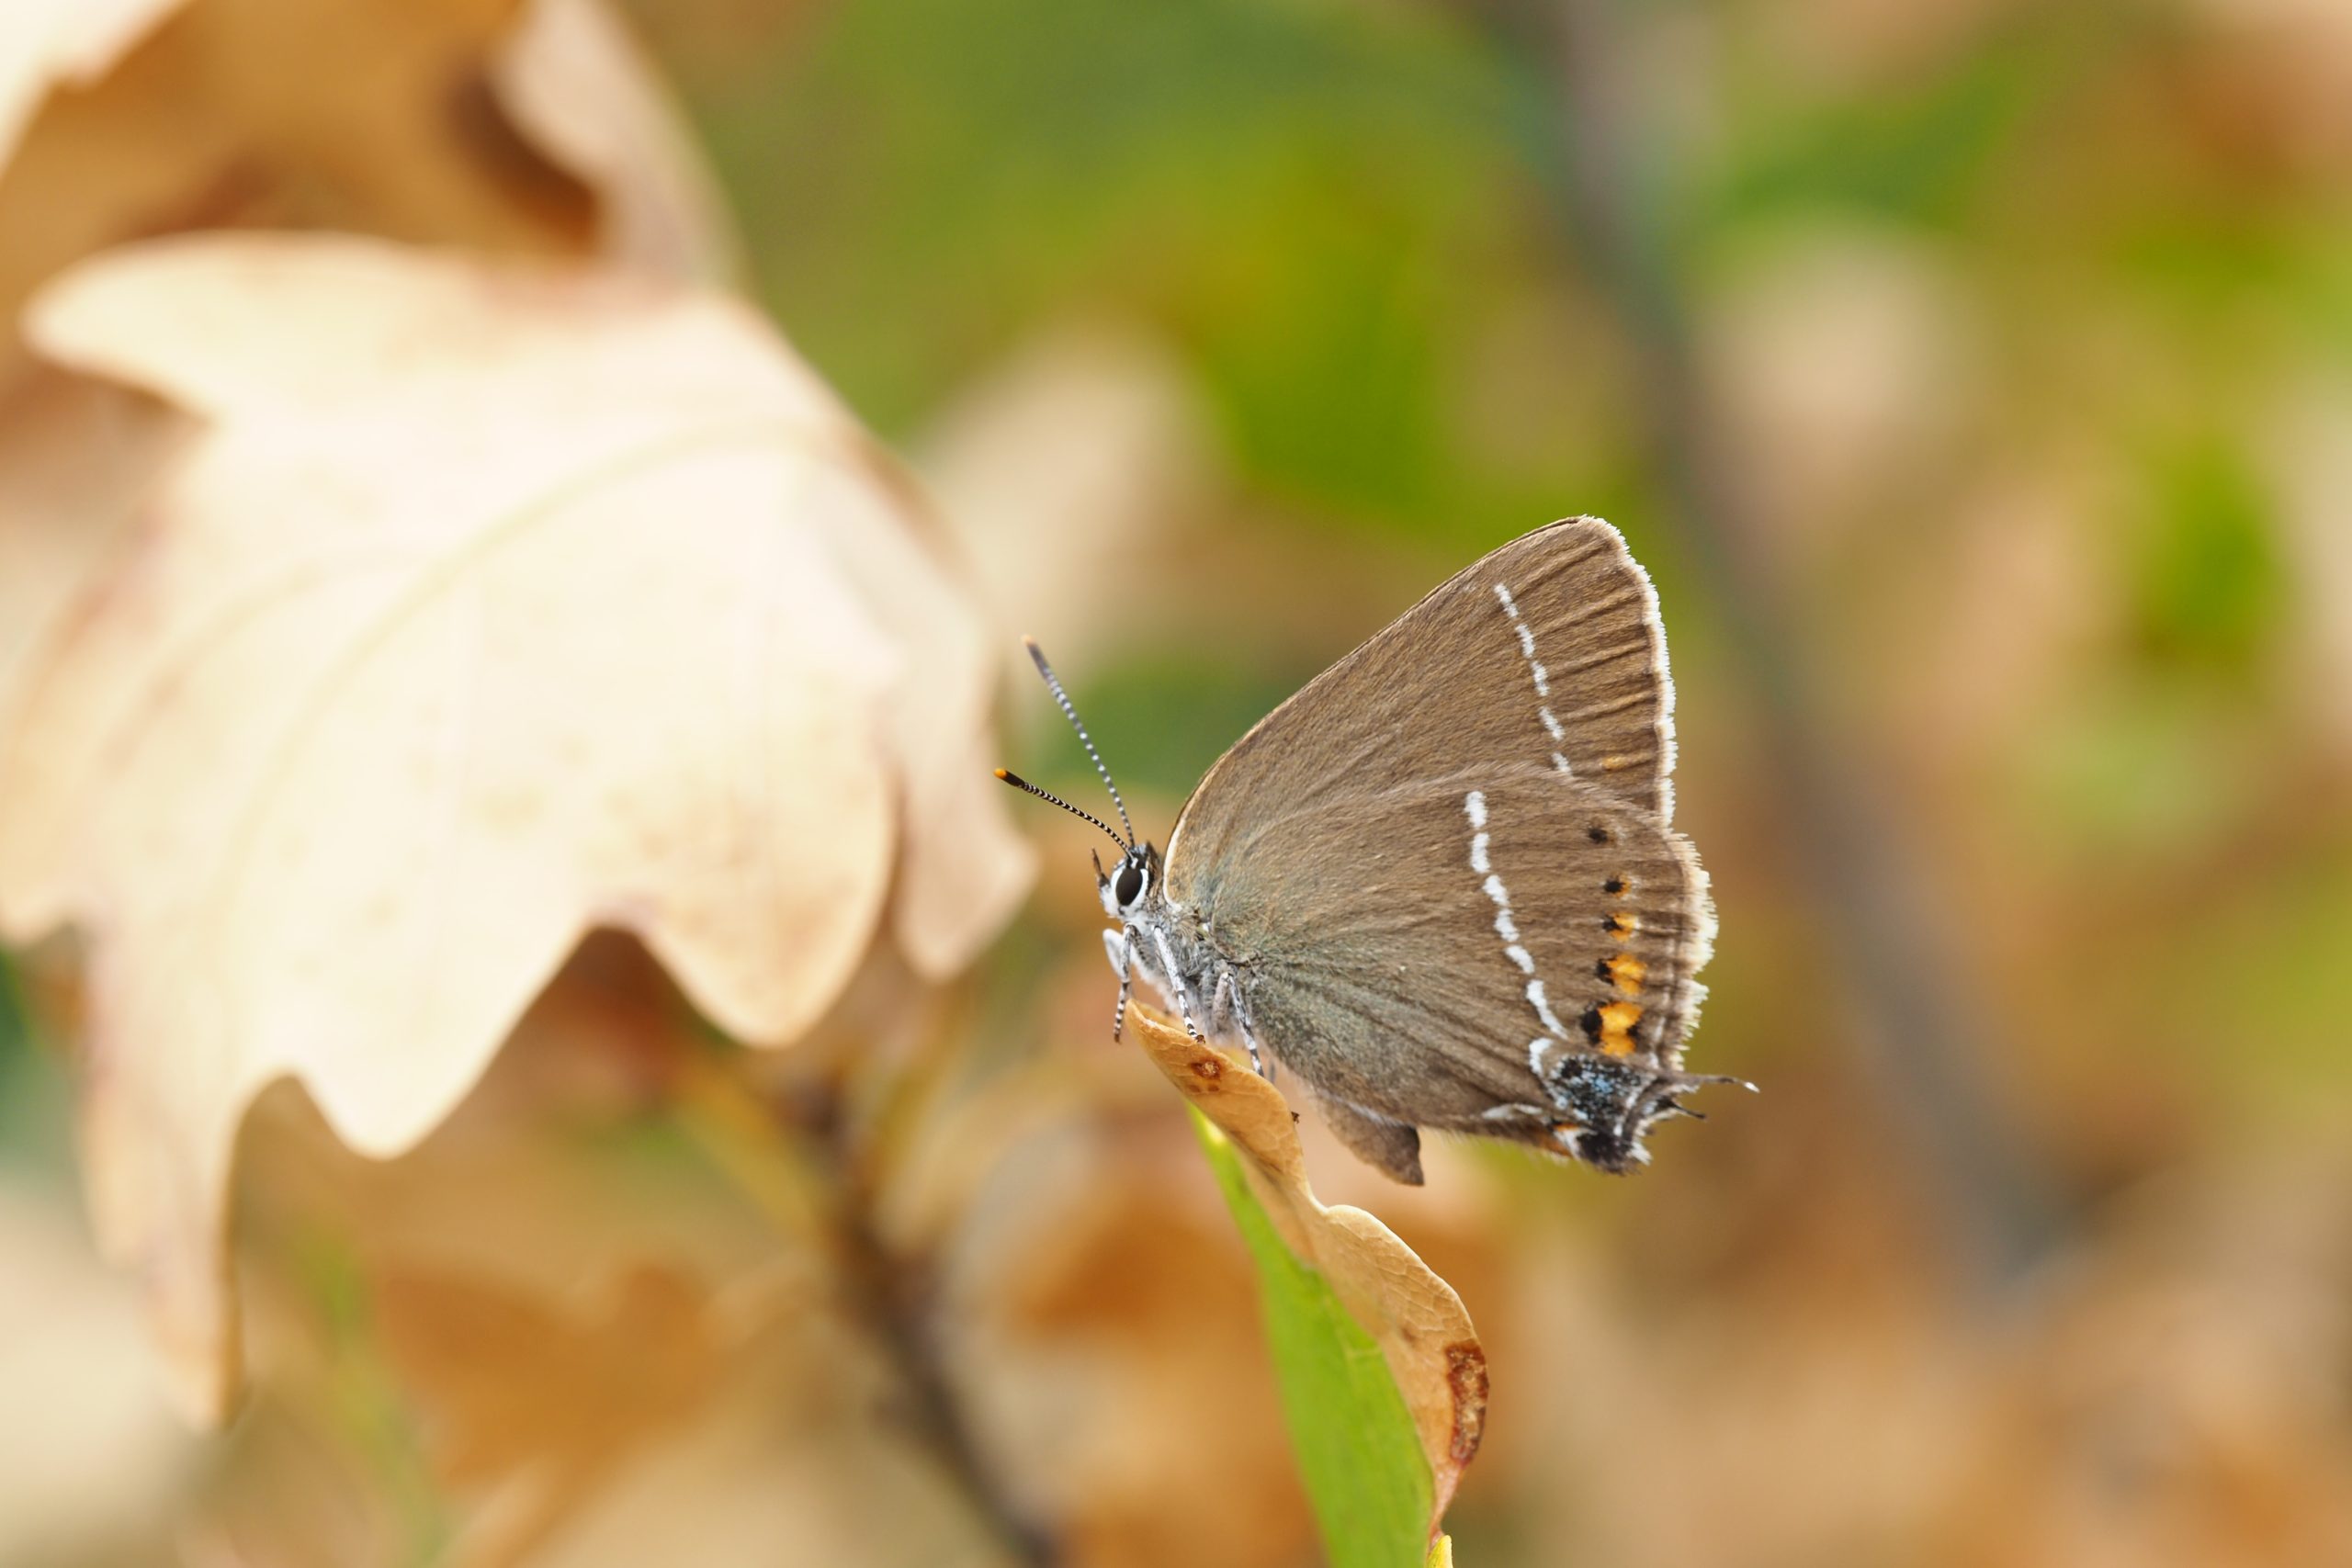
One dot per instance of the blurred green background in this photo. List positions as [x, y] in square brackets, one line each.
[1975, 379]
[2005, 353]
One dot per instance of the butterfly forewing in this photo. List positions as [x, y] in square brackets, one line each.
[1549, 651]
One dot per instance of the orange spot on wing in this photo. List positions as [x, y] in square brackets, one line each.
[1627, 971]
[1622, 924]
[1617, 1021]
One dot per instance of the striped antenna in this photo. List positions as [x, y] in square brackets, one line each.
[1053, 683]
[1017, 782]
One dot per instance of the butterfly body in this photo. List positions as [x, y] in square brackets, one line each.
[1440, 885]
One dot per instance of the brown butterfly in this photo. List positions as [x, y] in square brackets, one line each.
[1440, 883]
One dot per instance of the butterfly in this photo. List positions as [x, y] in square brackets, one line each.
[1441, 884]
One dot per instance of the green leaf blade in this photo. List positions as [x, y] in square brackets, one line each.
[1357, 1451]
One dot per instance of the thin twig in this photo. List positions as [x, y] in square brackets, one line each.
[801, 1179]
[1923, 1048]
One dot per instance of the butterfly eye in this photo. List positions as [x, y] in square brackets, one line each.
[1130, 883]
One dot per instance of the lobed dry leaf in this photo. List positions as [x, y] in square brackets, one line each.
[490, 605]
[141, 116]
[563, 1162]
[1418, 1320]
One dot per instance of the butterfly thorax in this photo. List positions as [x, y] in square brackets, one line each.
[1173, 948]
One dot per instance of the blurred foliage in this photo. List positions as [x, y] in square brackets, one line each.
[1307, 200]
[2034, 287]
[1337, 215]
[36, 1115]
[16, 1033]
[1926, 147]
[15, 1067]
[1166, 714]
[2029, 331]
[2208, 588]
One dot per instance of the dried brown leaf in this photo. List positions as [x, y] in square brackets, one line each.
[796, 1461]
[491, 607]
[578, 87]
[1419, 1322]
[509, 126]
[533, 1407]
[76, 457]
[366, 115]
[46, 44]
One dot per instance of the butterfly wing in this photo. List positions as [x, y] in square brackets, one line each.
[1448, 953]
[1442, 873]
[1549, 650]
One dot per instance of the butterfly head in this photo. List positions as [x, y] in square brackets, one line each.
[1126, 889]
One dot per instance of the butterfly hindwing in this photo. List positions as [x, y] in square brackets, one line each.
[1439, 955]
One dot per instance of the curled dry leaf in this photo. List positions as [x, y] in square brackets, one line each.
[513, 126]
[573, 81]
[1420, 1325]
[491, 605]
[45, 43]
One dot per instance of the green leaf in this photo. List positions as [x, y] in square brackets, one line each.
[2212, 589]
[1357, 1449]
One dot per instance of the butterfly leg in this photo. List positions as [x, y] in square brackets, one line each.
[1176, 982]
[1122, 960]
[1259, 1059]
[1225, 1003]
